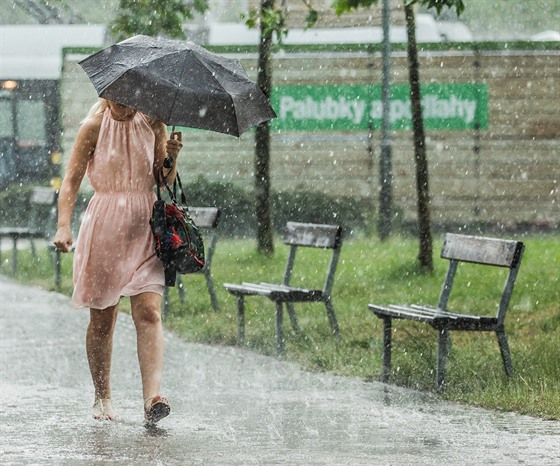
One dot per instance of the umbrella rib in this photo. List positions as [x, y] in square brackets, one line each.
[216, 76]
[183, 68]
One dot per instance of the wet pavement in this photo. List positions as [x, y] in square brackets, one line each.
[229, 406]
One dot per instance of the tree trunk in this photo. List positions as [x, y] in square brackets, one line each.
[422, 187]
[265, 243]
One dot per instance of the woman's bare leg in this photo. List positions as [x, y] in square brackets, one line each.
[146, 313]
[99, 347]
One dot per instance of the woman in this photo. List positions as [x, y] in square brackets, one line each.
[122, 151]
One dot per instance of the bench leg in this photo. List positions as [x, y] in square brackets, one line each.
[33, 249]
[57, 269]
[332, 317]
[14, 256]
[165, 302]
[293, 317]
[443, 343]
[278, 314]
[211, 291]
[181, 289]
[387, 329]
[240, 320]
[506, 355]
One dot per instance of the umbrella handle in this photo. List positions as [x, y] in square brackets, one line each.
[168, 162]
[179, 134]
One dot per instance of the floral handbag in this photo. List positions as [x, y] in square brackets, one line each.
[178, 241]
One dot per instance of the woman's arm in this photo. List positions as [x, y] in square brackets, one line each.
[165, 147]
[75, 171]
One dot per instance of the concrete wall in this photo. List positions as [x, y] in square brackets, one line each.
[508, 173]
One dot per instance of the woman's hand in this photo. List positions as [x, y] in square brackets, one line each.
[174, 145]
[63, 239]
[166, 152]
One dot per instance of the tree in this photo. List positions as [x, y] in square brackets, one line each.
[271, 22]
[265, 241]
[154, 17]
[425, 254]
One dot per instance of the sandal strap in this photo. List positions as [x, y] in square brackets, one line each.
[155, 409]
[149, 402]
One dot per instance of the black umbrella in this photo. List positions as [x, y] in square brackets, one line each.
[179, 83]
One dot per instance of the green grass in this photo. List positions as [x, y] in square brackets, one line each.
[370, 271]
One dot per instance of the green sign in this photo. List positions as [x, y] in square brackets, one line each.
[355, 107]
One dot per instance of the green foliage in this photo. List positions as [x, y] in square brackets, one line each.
[238, 211]
[274, 20]
[14, 205]
[154, 17]
[344, 6]
[311, 18]
[316, 207]
[439, 5]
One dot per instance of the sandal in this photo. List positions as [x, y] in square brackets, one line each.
[103, 410]
[156, 408]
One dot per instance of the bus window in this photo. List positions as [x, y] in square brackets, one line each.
[31, 123]
[6, 124]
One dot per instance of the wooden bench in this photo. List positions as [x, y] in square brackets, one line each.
[207, 219]
[458, 248]
[35, 229]
[328, 237]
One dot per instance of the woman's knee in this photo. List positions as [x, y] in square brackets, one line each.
[146, 314]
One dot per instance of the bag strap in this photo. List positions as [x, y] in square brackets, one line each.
[172, 193]
[178, 181]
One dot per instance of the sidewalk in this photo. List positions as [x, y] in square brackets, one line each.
[229, 406]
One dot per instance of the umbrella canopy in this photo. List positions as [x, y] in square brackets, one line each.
[179, 83]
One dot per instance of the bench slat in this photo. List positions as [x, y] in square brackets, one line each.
[246, 289]
[205, 217]
[42, 196]
[285, 287]
[479, 250]
[435, 312]
[275, 293]
[288, 293]
[437, 319]
[313, 235]
[20, 232]
[403, 313]
[455, 314]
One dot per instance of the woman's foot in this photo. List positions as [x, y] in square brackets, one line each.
[103, 410]
[155, 409]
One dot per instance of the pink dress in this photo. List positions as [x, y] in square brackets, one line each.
[115, 253]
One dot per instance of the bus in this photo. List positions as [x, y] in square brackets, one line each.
[30, 113]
